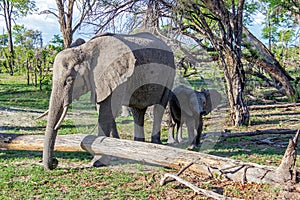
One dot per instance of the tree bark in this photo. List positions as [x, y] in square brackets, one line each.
[265, 59]
[65, 17]
[235, 81]
[65, 21]
[155, 154]
[7, 9]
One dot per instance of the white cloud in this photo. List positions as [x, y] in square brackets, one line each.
[259, 18]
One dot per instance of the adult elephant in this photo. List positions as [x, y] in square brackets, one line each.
[132, 70]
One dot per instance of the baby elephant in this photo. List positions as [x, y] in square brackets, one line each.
[188, 106]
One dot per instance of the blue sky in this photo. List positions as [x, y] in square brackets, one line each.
[49, 26]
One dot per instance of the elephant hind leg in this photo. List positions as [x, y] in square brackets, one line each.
[179, 132]
[190, 123]
[171, 125]
[138, 117]
[158, 112]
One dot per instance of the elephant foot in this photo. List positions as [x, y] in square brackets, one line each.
[155, 140]
[139, 139]
[181, 140]
[172, 141]
[54, 163]
[191, 147]
[100, 161]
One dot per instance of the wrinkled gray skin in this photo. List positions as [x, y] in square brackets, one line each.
[188, 106]
[132, 70]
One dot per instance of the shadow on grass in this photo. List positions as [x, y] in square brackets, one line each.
[21, 95]
[247, 146]
[25, 128]
[24, 154]
[279, 114]
[11, 109]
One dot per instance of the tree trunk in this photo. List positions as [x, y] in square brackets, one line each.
[265, 59]
[7, 16]
[40, 74]
[28, 71]
[65, 18]
[155, 154]
[35, 72]
[235, 83]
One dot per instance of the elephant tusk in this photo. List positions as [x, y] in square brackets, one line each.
[61, 118]
[42, 115]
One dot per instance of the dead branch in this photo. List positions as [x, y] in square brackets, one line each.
[288, 161]
[166, 181]
[260, 107]
[224, 135]
[196, 189]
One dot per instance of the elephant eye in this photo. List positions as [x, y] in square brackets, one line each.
[69, 80]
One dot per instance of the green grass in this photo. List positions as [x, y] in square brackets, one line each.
[22, 176]
[15, 92]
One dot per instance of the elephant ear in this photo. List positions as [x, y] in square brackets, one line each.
[216, 98]
[213, 99]
[113, 63]
[185, 96]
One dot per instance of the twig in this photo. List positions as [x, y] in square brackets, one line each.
[244, 178]
[196, 189]
[178, 174]
[184, 168]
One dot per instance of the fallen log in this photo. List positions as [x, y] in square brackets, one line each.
[150, 153]
[224, 135]
[272, 106]
[196, 189]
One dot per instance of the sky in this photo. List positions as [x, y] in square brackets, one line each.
[49, 26]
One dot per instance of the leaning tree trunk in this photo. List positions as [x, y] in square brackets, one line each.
[265, 59]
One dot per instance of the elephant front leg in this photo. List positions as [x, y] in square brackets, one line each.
[158, 112]
[190, 123]
[106, 120]
[199, 126]
[138, 117]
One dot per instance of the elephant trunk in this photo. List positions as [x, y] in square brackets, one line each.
[55, 116]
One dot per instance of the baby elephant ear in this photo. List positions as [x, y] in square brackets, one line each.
[215, 98]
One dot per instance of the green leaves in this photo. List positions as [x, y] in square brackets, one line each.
[22, 7]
